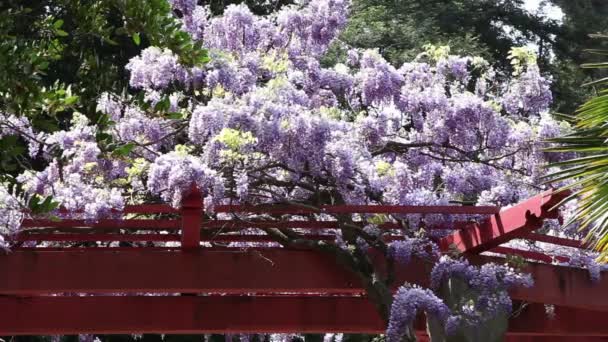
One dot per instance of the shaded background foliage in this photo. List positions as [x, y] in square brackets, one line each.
[57, 56]
[401, 28]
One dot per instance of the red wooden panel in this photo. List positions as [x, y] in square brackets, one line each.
[95, 249]
[235, 225]
[165, 271]
[533, 319]
[226, 314]
[109, 224]
[132, 209]
[559, 285]
[362, 209]
[555, 240]
[150, 209]
[192, 218]
[536, 338]
[225, 238]
[254, 271]
[532, 255]
[514, 222]
[98, 237]
[186, 315]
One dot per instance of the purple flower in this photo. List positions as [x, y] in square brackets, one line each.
[530, 93]
[154, 69]
[406, 304]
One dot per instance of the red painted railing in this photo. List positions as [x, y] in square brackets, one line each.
[258, 289]
[493, 227]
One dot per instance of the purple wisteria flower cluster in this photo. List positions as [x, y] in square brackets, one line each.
[477, 294]
[407, 303]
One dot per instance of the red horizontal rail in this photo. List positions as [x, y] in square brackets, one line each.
[260, 270]
[555, 240]
[361, 209]
[141, 270]
[514, 222]
[239, 224]
[107, 224]
[150, 209]
[185, 315]
[98, 237]
[133, 209]
[554, 338]
[158, 237]
[230, 315]
[532, 255]
[570, 322]
[263, 238]
[94, 249]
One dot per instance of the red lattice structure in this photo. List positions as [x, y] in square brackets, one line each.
[203, 286]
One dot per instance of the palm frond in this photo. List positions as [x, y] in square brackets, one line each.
[586, 174]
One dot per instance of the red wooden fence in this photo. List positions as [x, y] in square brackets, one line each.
[262, 289]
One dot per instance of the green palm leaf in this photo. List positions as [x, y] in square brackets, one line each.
[587, 173]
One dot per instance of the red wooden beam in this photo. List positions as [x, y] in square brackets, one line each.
[559, 285]
[98, 237]
[192, 218]
[231, 225]
[536, 338]
[532, 255]
[555, 240]
[150, 209]
[508, 224]
[220, 238]
[254, 271]
[108, 224]
[361, 209]
[186, 315]
[533, 320]
[273, 270]
[228, 314]
[130, 209]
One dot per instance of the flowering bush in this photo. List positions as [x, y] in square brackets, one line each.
[265, 122]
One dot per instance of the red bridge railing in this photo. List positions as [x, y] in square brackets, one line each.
[494, 226]
[263, 289]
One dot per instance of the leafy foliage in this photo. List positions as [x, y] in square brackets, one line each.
[588, 171]
[487, 28]
[58, 56]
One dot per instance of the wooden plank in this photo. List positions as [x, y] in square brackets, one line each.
[555, 240]
[510, 223]
[531, 255]
[362, 209]
[98, 237]
[242, 314]
[192, 218]
[230, 271]
[186, 315]
[105, 223]
[253, 271]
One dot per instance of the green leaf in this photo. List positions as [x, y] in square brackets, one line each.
[38, 205]
[123, 150]
[136, 38]
[61, 33]
[57, 24]
[175, 116]
[71, 100]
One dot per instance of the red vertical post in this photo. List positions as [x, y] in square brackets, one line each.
[192, 218]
